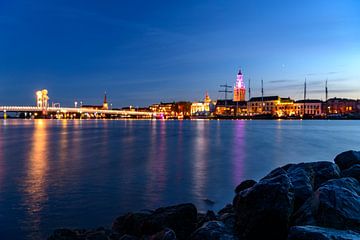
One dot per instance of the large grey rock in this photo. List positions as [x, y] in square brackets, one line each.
[353, 172]
[263, 211]
[182, 219]
[347, 159]
[336, 204]
[213, 230]
[307, 177]
[319, 233]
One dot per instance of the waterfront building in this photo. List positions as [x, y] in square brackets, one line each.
[310, 107]
[42, 99]
[341, 106]
[239, 89]
[177, 110]
[225, 107]
[272, 105]
[203, 108]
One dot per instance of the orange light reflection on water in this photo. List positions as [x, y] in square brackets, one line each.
[35, 184]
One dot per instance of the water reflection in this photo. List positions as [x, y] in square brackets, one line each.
[156, 171]
[34, 186]
[85, 173]
[239, 152]
[200, 149]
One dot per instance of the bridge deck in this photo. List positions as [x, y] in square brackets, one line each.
[73, 110]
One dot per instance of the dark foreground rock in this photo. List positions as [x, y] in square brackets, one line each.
[214, 230]
[318, 233]
[347, 159]
[264, 210]
[353, 172]
[182, 219]
[336, 204]
[316, 200]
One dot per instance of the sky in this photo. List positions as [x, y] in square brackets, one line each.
[144, 52]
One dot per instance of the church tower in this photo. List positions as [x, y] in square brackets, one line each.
[105, 103]
[239, 89]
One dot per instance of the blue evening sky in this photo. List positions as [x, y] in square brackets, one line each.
[142, 52]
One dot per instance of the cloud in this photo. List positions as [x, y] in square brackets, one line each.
[280, 81]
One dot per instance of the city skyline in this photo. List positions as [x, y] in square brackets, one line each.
[171, 52]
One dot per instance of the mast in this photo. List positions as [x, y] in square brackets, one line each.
[304, 97]
[326, 90]
[225, 91]
[249, 89]
[262, 95]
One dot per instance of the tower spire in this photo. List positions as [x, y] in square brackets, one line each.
[105, 97]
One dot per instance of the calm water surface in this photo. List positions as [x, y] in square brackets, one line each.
[85, 173]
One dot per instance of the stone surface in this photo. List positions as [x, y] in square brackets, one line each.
[347, 159]
[63, 234]
[307, 177]
[353, 172]
[336, 204]
[263, 211]
[244, 185]
[229, 208]
[318, 233]
[180, 218]
[128, 237]
[207, 217]
[166, 234]
[213, 230]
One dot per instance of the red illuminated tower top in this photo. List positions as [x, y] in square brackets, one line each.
[239, 89]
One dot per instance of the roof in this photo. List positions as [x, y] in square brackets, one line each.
[267, 98]
[309, 101]
[221, 102]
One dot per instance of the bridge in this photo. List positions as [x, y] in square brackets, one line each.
[42, 108]
[80, 111]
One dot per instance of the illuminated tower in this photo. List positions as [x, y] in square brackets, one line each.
[207, 98]
[105, 103]
[239, 89]
[42, 99]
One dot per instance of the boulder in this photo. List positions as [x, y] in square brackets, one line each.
[131, 224]
[166, 234]
[213, 230]
[347, 159]
[307, 177]
[64, 234]
[207, 217]
[353, 172]
[128, 237]
[229, 208]
[319, 233]
[263, 211]
[244, 185]
[335, 204]
[182, 219]
[229, 219]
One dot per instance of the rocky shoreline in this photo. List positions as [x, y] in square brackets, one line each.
[306, 201]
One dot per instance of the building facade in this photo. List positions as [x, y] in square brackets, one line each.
[204, 108]
[308, 107]
[341, 106]
[272, 105]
